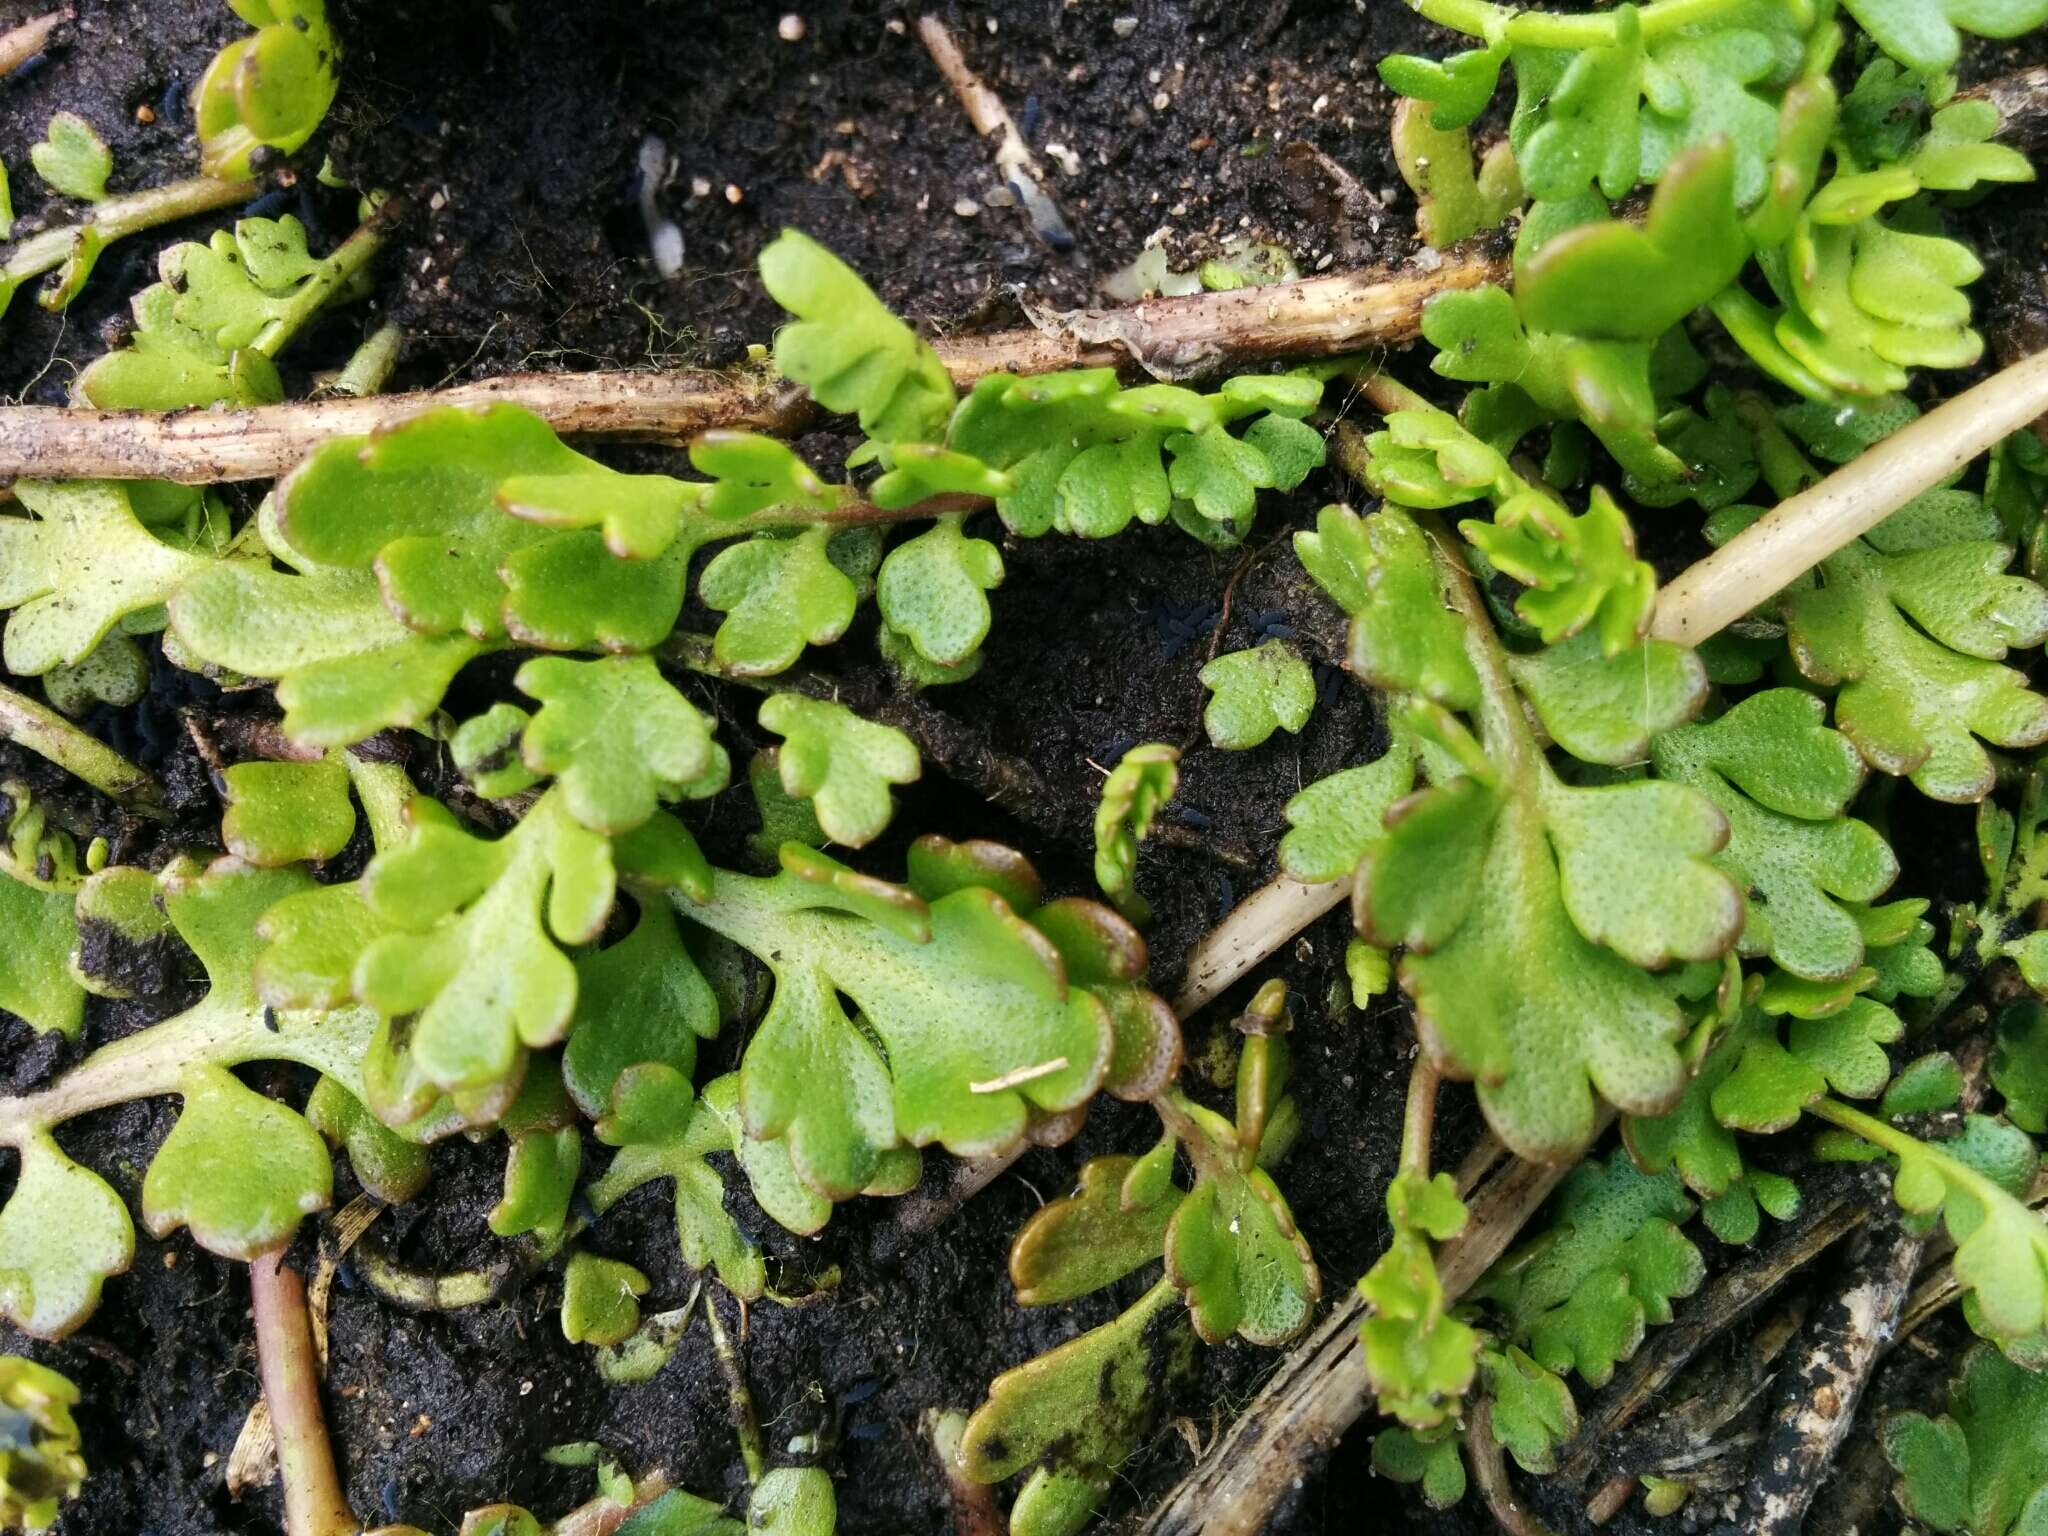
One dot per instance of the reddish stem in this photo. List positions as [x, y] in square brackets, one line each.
[314, 1504]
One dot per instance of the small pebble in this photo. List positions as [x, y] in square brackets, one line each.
[791, 28]
[1161, 102]
[967, 207]
[732, 193]
[1124, 26]
[999, 197]
[699, 187]
[145, 114]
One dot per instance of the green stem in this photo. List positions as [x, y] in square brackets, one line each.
[369, 368]
[1543, 29]
[312, 295]
[1890, 1138]
[745, 1423]
[48, 734]
[1504, 727]
[601, 1517]
[119, 216]
[154, 1061]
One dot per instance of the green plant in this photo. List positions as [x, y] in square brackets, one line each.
[1143, 780]
[64, 1230]
[267, 91]
[1981, 1467]
[40, 1462]
[1616, 870]
[1503, 857]
[1231, 1253]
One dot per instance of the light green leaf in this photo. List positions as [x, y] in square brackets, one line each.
[1254, 693]
[74, 569]
[1132, 796]
[1785, 781]
[73, 158]
[848, 350]
[778, 595]
[1926, 35]
[62, 1233]
[287, 813]
[239, 1169]
[841, 763]
[615, 734]
[1078, 1412]
[600, 1299]
[931, 589]
[1582, 1294]
[1982, 1467]
[1336, 820]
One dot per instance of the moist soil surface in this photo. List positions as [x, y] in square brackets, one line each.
[514, 134]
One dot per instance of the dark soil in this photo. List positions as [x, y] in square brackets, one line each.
[513, 132]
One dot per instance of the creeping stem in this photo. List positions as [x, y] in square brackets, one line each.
[45, 732]
[1317, 317]
[370, 366]
[738, 1399]
[1890, 1138]
[155, 1060]
[119, 216]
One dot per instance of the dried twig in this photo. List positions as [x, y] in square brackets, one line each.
[2022, 101]
[1254, 929]
[119, 217]
[24, 42]
[921, 1213]
[1817, 1397]
[974, 1504]
[202, 447]
[601, 1516]
[991, 119]
[1731, 1297]
[1173, 338]
[1805, 529]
